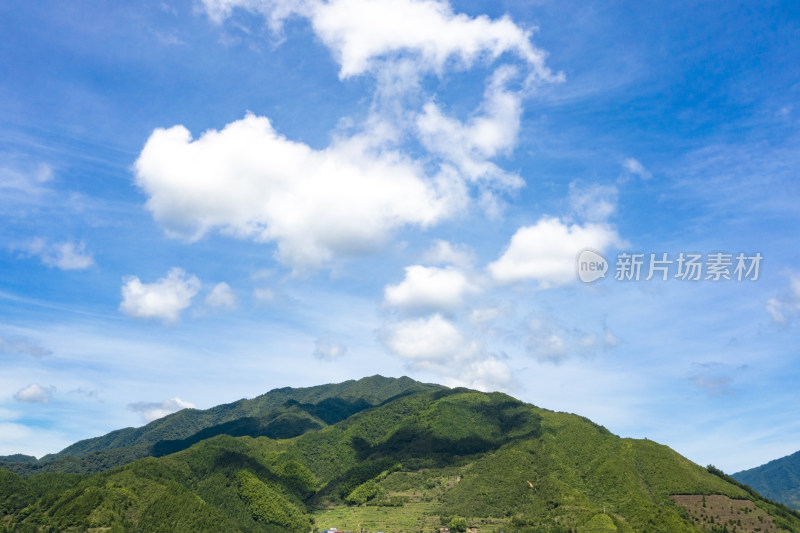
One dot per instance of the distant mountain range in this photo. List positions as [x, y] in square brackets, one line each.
[377, 454]
[778, 479]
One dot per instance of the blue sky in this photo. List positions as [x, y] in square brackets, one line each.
[205, 200]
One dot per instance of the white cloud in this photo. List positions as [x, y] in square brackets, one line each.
[164, 299]
[432, 339]
[429, 288]
[328, 350]
[470, 146]
[775, 310]
[150, 411]
[360, 32]
[66, 255]
[251, 182]
[34, 393]
[635, 168]
[436, 345]
[489, 374]
[547, 251]
[363, 35]
[786, 306]
[445, 253]
[222, 296]
[593, 203]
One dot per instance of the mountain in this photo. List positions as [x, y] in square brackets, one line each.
[778, 479]
[280, 413]
[423, 457]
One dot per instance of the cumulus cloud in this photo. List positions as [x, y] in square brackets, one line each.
[437, 345]
[34, 393]
[488, 374]
[249, 181]
[365, 34]
[163, 299]
[428, 339]
[23, 346]
[150, 411]
[593, 203]
[787, 305]
[429, 288]
[546, 252]
[66, 255]
[328, 350]
[634, 168]
[222, 296]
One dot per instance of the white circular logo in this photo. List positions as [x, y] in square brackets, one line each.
[591, 266]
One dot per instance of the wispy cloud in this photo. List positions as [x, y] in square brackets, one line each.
[786, 306]
[65, 255]
[328, 350]
[28, 179]
[593, 202]
[634, 168]
[24, 346]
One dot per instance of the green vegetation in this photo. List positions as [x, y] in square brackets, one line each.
[778, 480]
[279, 414]
[418, 459]
[269, 505]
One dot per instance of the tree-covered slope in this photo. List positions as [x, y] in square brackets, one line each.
[185, 423]
[778, 479]
[421, 460]
[280, 413]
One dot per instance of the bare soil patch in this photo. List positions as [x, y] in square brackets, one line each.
[715, 512]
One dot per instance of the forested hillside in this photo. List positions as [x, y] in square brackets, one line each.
[778, 479]
[413, 462]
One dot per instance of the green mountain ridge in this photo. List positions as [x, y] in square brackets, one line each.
[778, 479]
[280, 413]
[417, 458]
[184, 423]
